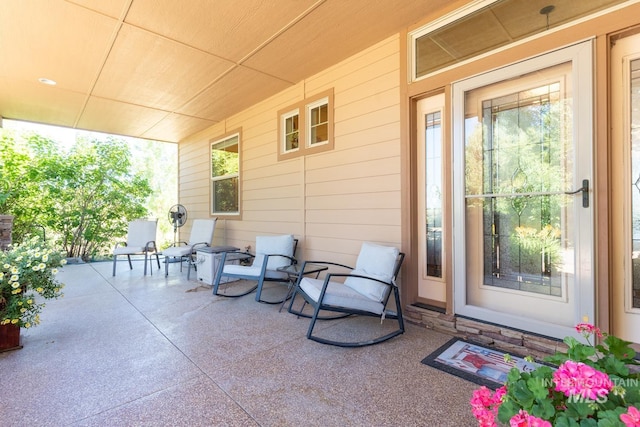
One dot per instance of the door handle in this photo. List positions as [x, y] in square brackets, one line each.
[585, 193]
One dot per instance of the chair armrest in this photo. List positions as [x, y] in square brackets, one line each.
[223, 255]
[174, 244]
[151, 244]
[330, 275]
[327, 263]
[120, 244]
[199, 244]
[290, 258]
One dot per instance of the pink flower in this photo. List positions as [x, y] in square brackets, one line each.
[481, 400]
[577, 379]
[523, 419]
[484, 405]
[587, 329]
[487, 419]
[497, 397]
[631, 418]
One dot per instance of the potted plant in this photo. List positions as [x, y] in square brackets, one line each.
[591, 385]
[27, 278]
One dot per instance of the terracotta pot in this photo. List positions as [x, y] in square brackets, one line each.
[9, 337]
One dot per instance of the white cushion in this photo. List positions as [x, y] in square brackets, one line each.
[253, 271]
[202, 231]
[374, 261]
[128, 250]
[242, 270]
[177, 251]
[268, 245]
[339, 295]
[141, 232]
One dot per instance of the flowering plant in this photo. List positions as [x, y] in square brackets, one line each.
[27, 275]
[591, 385]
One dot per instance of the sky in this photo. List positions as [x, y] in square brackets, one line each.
[62, 135]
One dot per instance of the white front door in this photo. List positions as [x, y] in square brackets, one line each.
[625, 188]
[523, 247]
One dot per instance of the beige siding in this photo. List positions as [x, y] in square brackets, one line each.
[331, 201]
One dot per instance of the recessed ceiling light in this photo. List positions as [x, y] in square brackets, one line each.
[47, 81]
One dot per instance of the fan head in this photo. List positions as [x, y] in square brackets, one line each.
[177, 215]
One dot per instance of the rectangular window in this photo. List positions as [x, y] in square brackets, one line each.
[318, 122]
[306, 127]
[291, 128]
[484, 26]
[225, 176]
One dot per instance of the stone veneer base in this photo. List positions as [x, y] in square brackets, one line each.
[512, 341]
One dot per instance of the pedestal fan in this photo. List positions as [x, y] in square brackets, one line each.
[177, 217]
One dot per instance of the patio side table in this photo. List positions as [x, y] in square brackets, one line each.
[295, 273]
[208, 261]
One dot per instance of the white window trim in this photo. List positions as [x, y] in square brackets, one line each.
[303, 107]
[307, 124]
[283, 136]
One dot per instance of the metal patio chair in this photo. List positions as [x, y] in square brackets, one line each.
[201, 236]
[272, 253]
[141, 239]
[366, 291]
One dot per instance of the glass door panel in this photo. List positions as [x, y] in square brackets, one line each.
[523, 220]
[625, 188]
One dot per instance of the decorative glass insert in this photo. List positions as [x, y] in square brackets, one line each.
[433, 193]
[291, 131]
[635, 177]
[318, 122]
[225, 167]
[518, 167]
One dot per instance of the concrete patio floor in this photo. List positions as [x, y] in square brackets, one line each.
[154, 351]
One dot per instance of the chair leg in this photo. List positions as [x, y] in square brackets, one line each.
[216, 280]
[157, 260]
[115, 257]
[259, 291]
[316, 311]
[130, 265]
[166, 266]
[145, 264]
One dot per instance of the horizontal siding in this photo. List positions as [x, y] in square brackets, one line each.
[331, 201]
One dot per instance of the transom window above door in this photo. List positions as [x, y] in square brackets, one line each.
[486, 25]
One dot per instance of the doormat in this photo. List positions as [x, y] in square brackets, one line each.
[475, 363]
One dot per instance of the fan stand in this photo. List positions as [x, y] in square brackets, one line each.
[175, 231]
[177, 217]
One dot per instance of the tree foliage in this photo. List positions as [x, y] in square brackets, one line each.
[83, 197]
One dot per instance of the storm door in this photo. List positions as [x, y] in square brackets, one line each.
[522, 189]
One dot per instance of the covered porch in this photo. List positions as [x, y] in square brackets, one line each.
[149, 350]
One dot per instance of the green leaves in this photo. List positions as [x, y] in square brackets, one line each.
[83, 197]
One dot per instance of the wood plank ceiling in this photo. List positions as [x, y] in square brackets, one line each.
[165, 69]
